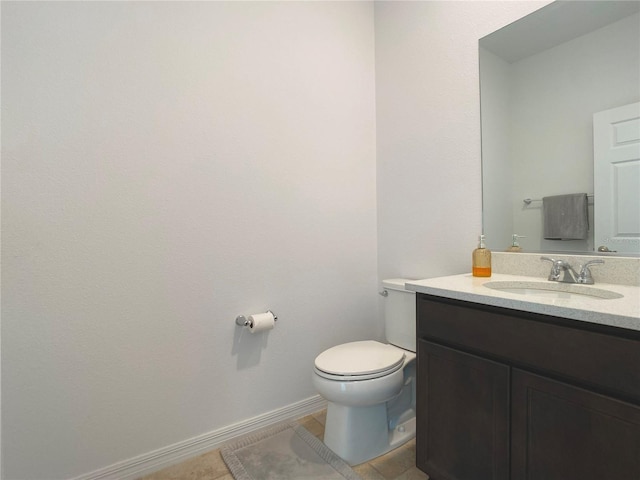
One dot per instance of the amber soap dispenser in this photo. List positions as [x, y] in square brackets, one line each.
[481, 259]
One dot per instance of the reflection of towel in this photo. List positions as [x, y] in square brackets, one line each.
[565, 217]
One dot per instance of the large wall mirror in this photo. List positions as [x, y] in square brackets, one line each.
[542, 79]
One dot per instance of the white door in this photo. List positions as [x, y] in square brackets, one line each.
[616, 168]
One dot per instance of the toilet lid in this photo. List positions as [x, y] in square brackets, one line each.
[360, 358]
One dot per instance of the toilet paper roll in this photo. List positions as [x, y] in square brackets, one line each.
[259, 322]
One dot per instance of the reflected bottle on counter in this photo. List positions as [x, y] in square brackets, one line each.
[481, 260]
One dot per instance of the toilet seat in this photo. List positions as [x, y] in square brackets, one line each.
[359, 361]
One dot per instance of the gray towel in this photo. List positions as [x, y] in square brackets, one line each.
[565, 217]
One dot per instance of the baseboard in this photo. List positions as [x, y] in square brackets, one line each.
[158, 459]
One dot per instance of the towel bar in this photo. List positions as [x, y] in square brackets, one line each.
[527, 201]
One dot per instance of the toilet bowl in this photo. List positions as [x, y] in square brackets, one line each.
[370, 386]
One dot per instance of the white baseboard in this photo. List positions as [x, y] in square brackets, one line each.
[158, 459]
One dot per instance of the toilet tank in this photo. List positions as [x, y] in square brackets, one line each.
[399, 314]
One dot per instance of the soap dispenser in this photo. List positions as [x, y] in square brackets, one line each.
[515, 246]
[481, 260]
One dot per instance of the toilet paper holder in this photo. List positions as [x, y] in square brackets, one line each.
[242, 321]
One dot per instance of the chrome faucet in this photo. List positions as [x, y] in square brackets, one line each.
[562, 271]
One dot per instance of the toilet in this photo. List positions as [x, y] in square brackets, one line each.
[370, 386]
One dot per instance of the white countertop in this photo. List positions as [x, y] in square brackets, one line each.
[620, 312]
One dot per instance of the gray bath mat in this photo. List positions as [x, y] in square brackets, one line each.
[285, 452]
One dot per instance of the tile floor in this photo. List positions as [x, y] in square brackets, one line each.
[399, 464]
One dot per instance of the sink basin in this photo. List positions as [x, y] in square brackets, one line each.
[553, 290]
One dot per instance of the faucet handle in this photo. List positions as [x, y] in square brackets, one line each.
[585, 273]
[554, 275]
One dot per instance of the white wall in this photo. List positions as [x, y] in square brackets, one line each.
[428, 131]
[166, 167]
[183, 163]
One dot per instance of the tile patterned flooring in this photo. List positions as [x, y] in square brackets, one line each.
[399, 464]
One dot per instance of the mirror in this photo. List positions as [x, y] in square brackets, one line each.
[542, 78]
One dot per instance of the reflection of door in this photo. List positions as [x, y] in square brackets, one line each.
[616, 168]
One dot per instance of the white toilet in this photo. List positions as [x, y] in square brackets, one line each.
[370, 386]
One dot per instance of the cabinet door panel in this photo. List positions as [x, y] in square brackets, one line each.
[561, 432]
[463, 415]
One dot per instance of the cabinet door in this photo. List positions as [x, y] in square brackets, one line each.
[462, 415]
[561, 432]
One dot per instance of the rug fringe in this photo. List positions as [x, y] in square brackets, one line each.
[239, 472]
[326, 453]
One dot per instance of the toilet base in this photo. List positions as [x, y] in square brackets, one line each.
[358, 434]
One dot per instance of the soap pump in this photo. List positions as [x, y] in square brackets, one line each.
[515, 245]
[481, 260]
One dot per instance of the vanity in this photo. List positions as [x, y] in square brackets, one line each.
[520, 377]
[525, 386]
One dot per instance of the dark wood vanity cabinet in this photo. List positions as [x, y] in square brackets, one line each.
[504, 394]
